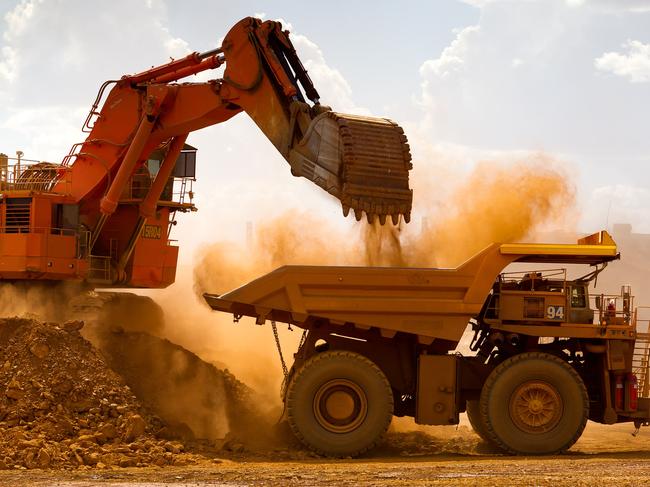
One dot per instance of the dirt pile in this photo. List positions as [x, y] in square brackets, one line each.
[195, 399]
[62, 406]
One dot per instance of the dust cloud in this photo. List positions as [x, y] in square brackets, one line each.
[42, 300]
[496, 202]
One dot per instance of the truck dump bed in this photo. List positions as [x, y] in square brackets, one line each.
[430, 303]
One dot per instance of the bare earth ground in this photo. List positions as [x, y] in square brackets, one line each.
[605, 455]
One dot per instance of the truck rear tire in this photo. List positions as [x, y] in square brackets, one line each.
[534, 404]
[339, 404]
[473, 409]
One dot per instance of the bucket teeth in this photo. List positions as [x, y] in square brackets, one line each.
[362, 161]
[407, 217]
[395, 218]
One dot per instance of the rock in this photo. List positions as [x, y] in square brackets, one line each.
[108, 431]
[14, 393]
[234, 446]
[87, 438]
[82, 405]
[128, 462]
[174, 447]
[35, 443]
[30, 460]
[14, 390]
[44, 458]
[90, 458]
[77, 457]
[134, 427]
[73, 325]
[39, 348]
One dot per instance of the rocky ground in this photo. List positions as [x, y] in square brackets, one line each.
[72, 413]
[605, 456]
[140, 401]
[62, 407]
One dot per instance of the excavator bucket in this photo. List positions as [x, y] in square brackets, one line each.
[363, 161]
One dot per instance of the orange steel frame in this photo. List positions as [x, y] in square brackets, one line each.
[142, 113]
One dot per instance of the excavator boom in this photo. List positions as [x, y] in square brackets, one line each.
[104, 215]
[362, 161]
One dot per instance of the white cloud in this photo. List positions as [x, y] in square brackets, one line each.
[18, 18]
[634, 65]
[637, 6]
[8, 64]
[53, 59]
[601, 5]
[453, 56]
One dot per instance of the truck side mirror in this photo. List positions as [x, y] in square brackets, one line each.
[598, 302]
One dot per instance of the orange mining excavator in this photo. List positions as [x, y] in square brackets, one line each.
[104, 215]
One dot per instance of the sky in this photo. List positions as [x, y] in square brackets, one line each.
[469, 80]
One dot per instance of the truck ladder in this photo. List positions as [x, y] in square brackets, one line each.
[641, 356]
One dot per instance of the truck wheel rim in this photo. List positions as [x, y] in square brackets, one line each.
[536, 407]
[340, 406]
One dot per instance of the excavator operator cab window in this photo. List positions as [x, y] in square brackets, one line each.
[186, 163]
[153, 165]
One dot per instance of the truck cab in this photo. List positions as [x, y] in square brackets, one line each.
[547, 297]
[539, 297]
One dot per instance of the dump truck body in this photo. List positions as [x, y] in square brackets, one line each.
[428, 303]
[548, 355]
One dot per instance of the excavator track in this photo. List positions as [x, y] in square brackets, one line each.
[363, 161]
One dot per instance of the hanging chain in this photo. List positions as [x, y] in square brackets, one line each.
[303, 338]
[285, 371]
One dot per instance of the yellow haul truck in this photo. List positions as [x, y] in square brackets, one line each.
[547, 354]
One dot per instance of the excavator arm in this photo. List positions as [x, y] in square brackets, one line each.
[363, 161]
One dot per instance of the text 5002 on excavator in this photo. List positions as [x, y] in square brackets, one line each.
[104, 215]
[548, 354]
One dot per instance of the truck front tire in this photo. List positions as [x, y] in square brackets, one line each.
[534, 404]
[473, 409]
[339, 404]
